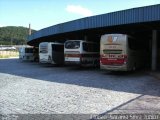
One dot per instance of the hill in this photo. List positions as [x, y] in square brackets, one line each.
[12, 35]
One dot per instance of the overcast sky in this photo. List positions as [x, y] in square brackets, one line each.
[45, 13]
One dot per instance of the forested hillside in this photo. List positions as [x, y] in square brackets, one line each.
[12, 35]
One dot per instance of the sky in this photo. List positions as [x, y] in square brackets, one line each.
[44, 13]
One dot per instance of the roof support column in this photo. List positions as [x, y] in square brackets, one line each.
[154, 50]
[85, 38]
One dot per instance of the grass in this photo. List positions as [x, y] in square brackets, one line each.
[8, 54]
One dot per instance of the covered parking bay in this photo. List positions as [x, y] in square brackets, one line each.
[143, 22]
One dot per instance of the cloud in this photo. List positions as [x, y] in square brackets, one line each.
[2, 25]
[79, 10]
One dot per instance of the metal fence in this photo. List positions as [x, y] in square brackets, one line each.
[9, 51]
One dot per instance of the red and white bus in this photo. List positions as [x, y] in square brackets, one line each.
[81, 52]
[121, 52]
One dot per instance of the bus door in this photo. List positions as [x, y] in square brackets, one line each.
[58, 53]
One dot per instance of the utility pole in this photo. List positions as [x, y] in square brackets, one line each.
[154, 50]
[30, 31]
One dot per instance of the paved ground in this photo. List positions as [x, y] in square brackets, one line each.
[33, 88]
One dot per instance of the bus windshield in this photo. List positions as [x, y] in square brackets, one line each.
[72, 44]
[29, 50]
[57, 48]
[43, 48]
[108, 51]
[90, 47]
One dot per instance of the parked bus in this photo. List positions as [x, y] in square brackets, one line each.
[28, 53]
[81, 52]
[51, 52]
[121, 52]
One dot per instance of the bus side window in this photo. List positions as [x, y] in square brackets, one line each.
[91, 47]
[58, 48]
[136, 44]
[85, 47]
[96, 47]
[131, 44]
[88, 47]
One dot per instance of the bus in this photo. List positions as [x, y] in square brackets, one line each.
[28, 53]
[51, 52]
[121, 52]
[81, 52]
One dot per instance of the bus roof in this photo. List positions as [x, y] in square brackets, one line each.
[51, 43]
[81, 41]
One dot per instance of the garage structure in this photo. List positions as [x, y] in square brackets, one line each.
[143, 22]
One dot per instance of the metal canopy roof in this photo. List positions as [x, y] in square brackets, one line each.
[141, 18]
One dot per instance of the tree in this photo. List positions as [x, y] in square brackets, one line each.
[14, 35]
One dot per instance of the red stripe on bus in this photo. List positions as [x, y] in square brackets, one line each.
[113, 61]
[82, 55]
[72, 55]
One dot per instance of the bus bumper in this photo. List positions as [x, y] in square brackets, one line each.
[28, 58]
[44, 61]
[72, 61]
[114, 67]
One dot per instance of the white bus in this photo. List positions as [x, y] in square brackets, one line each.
[28, 53]
[121, 52]
[51, 52]
[81, 52]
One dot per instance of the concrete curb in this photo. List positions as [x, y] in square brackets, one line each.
[10, 58]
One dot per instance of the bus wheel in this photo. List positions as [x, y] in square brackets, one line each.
[36, 59]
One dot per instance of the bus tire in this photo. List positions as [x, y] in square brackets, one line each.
[95, 63]
[36, 59]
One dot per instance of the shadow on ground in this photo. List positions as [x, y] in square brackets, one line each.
[130, 82]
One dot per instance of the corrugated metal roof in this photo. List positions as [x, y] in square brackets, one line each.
[130, 16]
